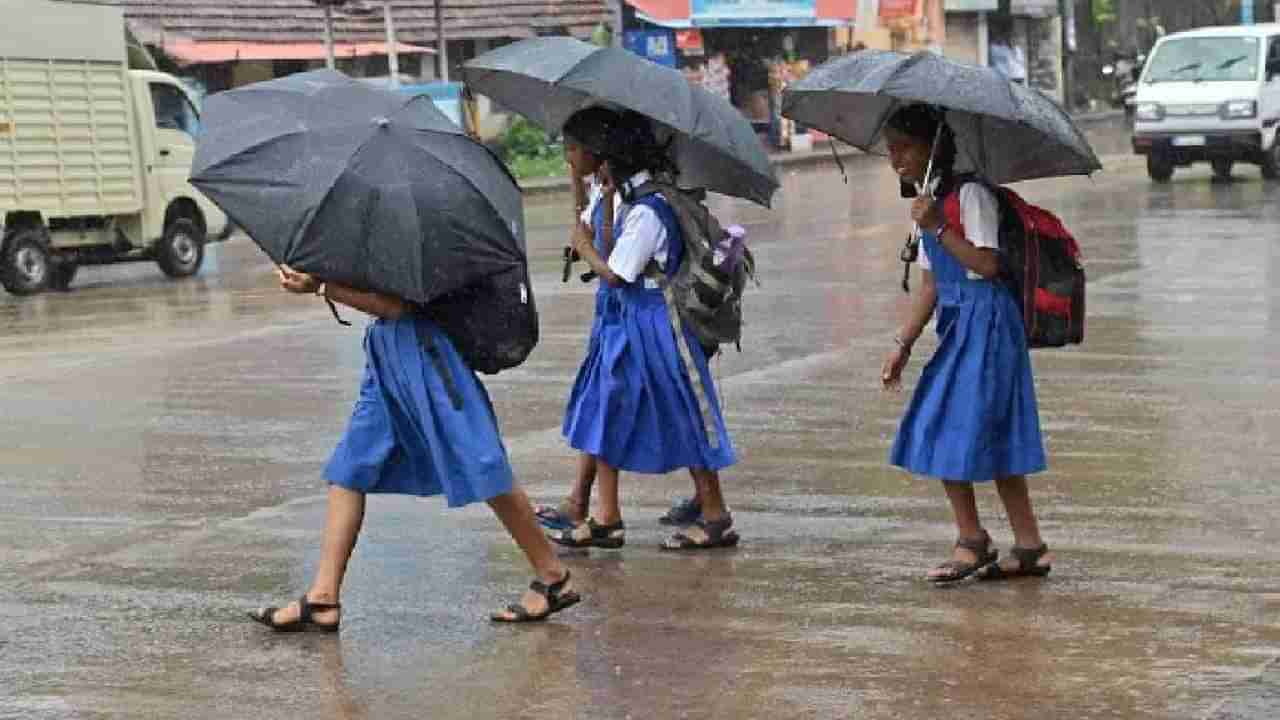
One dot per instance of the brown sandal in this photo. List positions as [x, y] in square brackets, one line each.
[1028, 565]
[958, 569]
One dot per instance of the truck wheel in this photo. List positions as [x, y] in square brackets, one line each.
[27, 266]
[1271, 161]
[62, 275]
[1222, 169]
[180, 253]
[1159, 168]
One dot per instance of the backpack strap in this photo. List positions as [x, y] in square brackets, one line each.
[655, 273]
[438, 363]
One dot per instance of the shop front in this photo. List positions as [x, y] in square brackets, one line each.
[1022, 39]
[746, 51]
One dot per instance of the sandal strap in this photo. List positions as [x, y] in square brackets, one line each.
[306, 608]
[519, 612]
[550, 592]
[1029, 558]
[977, 546]
[715, 529]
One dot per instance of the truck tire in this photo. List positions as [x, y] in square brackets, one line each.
[1159, 168]
[180, 252]
[27, 267]
[1271, 161]
[1222, 169]
[63, 274]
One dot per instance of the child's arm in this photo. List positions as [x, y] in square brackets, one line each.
[983, 261]
[922, 306]
[384, 306]
[388, 307]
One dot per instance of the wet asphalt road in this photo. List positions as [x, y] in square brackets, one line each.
[161, 447]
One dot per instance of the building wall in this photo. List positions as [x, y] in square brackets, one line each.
[244, 73]
[963, 42]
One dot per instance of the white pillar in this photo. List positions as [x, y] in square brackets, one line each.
[984, 39]
[393, 57]
[328, 36]
[442, 45]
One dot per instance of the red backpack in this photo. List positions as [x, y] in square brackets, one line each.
[1039, 262]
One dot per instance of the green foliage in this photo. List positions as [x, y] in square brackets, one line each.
[530, 153]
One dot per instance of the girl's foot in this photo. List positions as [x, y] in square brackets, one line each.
[591, 534]
[540, 602]
[704, 535]
[305, 615]
[567, 514]
[1022, 562]
[685, 511]
[970, 556]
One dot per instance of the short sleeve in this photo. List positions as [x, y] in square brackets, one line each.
[642, 236]
[980, 213]
[923, 258]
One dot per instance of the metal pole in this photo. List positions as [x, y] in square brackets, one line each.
[442, 45]
[328, 37]
[393, 58]
[1246, 12]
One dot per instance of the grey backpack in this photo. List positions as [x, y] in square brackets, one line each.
[707, 288]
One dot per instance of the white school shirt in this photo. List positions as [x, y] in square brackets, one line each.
[643, 238]
[980, 214]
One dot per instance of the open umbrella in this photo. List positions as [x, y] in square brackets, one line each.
[361, 186]
[1006, 132]
[549, 79]
[381, 191]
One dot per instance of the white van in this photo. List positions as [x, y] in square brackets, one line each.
[1211, 95]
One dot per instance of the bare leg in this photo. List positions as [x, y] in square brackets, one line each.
[713, 506]
[1022, 518]
[344, 517]
[574, 507]
[964, 505]
[516, 514]
[608, 507]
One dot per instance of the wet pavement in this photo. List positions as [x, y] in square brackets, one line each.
[162, 445]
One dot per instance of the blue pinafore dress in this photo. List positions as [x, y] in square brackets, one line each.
[414, 431]
[973, 417]
[632, 404]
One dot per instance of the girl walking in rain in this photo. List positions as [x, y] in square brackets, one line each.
[633, 407]
[973, 417]
[407, 437]
[586, 137]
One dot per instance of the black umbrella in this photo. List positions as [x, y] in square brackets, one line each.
[1005, 131]
[361, 186]
[549, 79]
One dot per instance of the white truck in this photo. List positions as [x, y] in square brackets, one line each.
[94, 156]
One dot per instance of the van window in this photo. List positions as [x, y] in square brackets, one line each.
[173, 110]
[1205, 59]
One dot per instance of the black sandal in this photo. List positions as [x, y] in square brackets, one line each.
[958, 569]
[719, 535]
[556, 601]
[1028, 565]
[305, 621]
[591, 534]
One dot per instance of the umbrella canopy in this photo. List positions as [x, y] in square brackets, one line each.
[549, 79]
[361, 186]
[1004, 131]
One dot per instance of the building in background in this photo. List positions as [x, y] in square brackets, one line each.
[747, 50]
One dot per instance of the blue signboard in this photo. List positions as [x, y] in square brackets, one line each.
[753, 12]
[656, 45]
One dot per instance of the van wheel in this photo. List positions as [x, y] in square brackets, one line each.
[63, 274]
[27, 267]
[1159, 168]
[180, 253]
[1222, 169]
[1271, 161]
